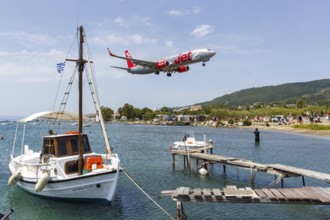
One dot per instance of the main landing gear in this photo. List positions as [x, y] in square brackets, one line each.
[169, 74]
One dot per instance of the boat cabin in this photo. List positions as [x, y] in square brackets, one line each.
[64, 145]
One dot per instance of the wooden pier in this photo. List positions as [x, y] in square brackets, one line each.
[282, 171]
[232, 194]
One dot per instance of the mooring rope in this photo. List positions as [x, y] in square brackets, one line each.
[139, 187]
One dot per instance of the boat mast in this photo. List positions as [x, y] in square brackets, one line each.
[80, 64]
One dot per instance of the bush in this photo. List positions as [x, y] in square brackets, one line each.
[247, 122]
[231, 121]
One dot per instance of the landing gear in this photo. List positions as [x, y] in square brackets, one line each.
[169, 74]
[157, 72]
[203, 64]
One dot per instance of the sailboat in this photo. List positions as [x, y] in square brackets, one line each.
[66, 167]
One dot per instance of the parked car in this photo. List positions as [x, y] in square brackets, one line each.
[279, 119]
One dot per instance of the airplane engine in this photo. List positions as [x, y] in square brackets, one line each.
[162, 64]
[182, 69]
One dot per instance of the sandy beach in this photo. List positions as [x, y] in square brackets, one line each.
[289, 128]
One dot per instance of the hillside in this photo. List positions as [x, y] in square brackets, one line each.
[313, 93]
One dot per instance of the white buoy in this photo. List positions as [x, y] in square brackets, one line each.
[202, 171]
[42, 182]
[14, 178]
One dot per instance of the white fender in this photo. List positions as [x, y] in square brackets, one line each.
[202, 171]
[42, 182]
[14, 178]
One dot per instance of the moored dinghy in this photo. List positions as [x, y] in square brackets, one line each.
[66, 167]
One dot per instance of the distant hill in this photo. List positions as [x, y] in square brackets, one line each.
[313, 93]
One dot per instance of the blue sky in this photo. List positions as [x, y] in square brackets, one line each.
[258, 43]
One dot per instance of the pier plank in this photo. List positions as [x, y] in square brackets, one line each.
[260, 193]
[207, 194]
[323, 198]
[277, 194]
[217, 194]
[269, 194]
[254, 195]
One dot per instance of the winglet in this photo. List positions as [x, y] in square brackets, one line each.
[111, 54]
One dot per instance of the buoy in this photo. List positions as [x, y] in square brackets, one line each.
[14, 178]
[42, 182]
[202, 171]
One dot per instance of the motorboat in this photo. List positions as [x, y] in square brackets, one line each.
[66, 167]
[189, 142]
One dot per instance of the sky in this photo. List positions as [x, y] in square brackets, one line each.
[257, 43]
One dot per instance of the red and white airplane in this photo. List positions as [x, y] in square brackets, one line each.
[177, 63]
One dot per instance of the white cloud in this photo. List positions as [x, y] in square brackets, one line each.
[111, 39]
[178, 13]
[202, 30]
[27, 39]
[134, 20]
[169, 44]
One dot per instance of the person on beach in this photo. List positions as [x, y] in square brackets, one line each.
[256, 135]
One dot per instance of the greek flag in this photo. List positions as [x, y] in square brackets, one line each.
[60, 67]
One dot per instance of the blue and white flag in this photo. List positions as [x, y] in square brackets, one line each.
[60, 67]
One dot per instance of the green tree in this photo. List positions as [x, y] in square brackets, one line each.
[300, 104]
[147, 114]
[127, 110]
[107, 113]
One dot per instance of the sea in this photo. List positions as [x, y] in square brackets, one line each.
[144, 153]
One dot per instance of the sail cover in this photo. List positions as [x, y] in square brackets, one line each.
[66, 116]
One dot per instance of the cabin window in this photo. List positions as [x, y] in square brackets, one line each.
[74, 145]
[48, 147]
[71, 167]
[87, 148]
[61, 142]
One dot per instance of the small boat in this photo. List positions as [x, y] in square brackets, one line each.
[189, 143]
[66, 167]
[6, 122]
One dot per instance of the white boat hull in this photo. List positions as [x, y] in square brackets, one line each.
[98, 185]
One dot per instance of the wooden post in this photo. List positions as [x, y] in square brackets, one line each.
[252, 176]
[184, 162]
[224, 169]
[179, 207]
[188, 163]
[282, 182]
[303, 180]
[173, 161]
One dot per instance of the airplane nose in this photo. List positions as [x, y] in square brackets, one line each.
[212, 53]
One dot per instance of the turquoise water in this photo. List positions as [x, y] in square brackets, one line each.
[144, 153]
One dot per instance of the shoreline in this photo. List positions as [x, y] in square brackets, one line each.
[289, 129]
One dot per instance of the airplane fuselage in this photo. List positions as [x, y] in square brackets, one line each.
[176, 61]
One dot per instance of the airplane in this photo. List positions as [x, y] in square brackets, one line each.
[176, 63]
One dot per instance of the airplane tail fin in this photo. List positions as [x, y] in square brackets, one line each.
[130, 64]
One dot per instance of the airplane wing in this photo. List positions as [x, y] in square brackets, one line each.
[122, 68]
[135, 61]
